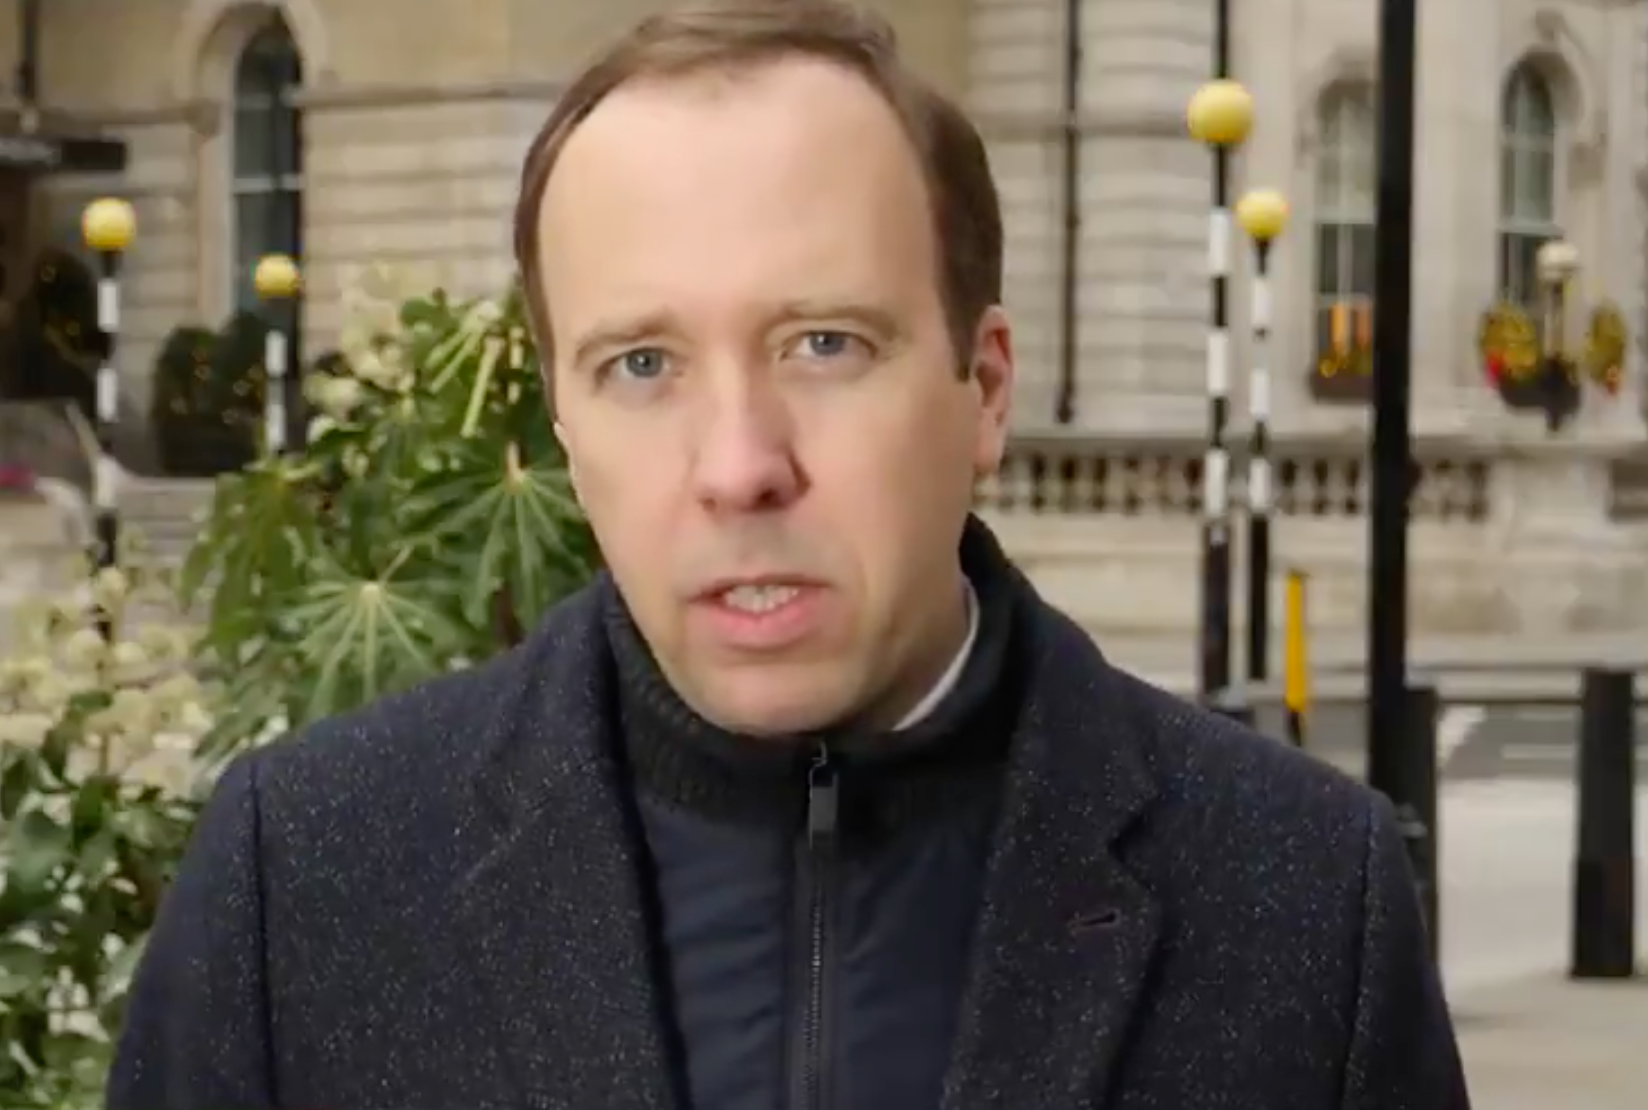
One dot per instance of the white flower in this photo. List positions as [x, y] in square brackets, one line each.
[84, 649]
[47, 693]
[172, 693]
[482, 315]
[335, 397]
[110, 587]
[127, 721]
[168, 769]
[129, 660]
[164, 645]
[192, 718]
[27, 730]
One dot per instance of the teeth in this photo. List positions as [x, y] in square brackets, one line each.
[759, 599]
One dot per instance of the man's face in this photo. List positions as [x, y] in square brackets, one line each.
[758, 393]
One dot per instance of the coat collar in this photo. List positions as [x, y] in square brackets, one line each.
[554, 920]
[1066, 935]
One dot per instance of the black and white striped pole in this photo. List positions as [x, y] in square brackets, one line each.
[1220, 115]
[276, 280]
[1263, 215]
[108, 226]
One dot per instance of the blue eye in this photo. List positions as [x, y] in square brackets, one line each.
[826, 344]
[642, 363]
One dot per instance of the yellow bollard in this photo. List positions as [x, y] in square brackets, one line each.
[1296, 661]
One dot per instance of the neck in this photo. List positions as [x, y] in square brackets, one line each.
[953, 722]
[966, 630]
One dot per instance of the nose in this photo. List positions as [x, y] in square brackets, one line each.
[745, 459]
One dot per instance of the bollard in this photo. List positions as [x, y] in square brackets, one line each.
[1604, 874]
[1408, 777]
[1295, 660]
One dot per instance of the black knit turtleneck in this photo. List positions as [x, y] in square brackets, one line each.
[678, 757]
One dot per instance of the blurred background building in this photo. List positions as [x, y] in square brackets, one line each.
[355, 132]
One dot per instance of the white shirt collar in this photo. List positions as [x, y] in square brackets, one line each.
[952, 675]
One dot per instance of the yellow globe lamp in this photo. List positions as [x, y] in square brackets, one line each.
[1263, 214]
[276, 277]
[108, 225]
[1220, 114]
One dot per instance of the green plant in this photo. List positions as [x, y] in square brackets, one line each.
[428, 521]
[207, 405]
[98, 791]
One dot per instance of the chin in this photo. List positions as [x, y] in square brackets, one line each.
[769, 709]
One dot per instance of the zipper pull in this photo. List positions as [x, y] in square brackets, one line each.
[823, 799]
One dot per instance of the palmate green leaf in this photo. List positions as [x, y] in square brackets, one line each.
[518, 528]
[364, 637]
[257, 540]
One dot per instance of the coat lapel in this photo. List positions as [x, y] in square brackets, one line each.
[553, 919]
[1066, 936]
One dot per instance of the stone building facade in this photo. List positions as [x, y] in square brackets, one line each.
[362, 131]
[411, 120]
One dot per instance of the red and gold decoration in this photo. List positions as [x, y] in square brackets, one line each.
[1604, 353]
[1343, 373]
[1511, 346]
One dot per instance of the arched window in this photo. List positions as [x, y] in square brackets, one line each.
[1344, 209]
[1527, 181]
[268, 157]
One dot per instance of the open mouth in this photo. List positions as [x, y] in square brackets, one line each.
[757, 600]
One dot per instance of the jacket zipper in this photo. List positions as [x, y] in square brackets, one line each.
[823, 814]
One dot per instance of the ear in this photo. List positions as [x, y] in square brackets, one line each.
[993, 372]
[565, 441]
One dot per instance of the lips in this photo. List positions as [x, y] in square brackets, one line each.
[765, 614]
[758, 599]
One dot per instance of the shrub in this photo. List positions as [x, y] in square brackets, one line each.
[427, 522]
[98, 792]
[207, 404]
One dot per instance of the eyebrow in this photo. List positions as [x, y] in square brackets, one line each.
[624, 333]
[803, 310]
[620, 333]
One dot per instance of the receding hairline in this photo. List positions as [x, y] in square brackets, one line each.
[722, 40]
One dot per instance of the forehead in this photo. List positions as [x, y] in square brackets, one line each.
[787, 164]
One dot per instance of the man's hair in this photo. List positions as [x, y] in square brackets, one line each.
[705, 36]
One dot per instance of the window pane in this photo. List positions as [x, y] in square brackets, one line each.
[1361, 241]
[1519, 274]
[264, 223]
[268, 64]
[266, 143]
[1539, 186]
[1327, 260]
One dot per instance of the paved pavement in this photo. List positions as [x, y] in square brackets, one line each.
[1474, 743]
[1531, 1039]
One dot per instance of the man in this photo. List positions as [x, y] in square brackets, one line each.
[813, 802]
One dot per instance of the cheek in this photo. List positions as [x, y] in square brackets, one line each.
[626, 496]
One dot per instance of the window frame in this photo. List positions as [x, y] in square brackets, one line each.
[1530, 132]
[1347, 149]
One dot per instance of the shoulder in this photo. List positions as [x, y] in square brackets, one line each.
[1236, 775]
[1225, 798]
[421, 748]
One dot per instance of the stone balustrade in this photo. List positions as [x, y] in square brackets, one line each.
[1532, 537]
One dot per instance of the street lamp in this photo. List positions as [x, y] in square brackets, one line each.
[276, 280]
[1555, 264]
[1220, 116]
[108, 226]
[1263, 215]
